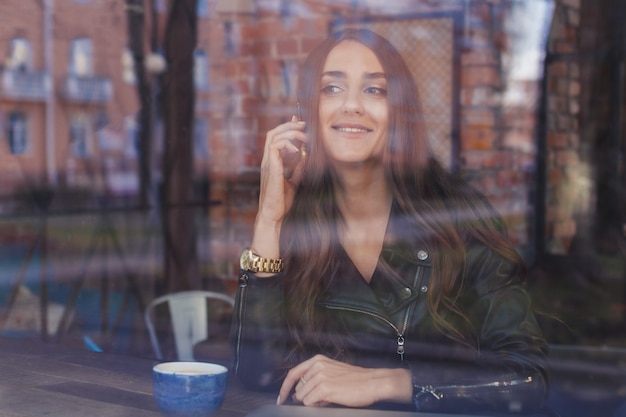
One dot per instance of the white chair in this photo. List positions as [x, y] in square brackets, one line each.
[188, 312]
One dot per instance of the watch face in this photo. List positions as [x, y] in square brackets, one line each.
[244, 260]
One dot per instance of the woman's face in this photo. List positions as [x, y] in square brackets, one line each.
[353, 109]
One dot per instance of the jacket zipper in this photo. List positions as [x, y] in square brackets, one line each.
[400, 333]
[400, 339]
[242, 288]
[409, 309]
[438, 394]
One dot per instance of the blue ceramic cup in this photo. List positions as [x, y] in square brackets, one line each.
[189, 389]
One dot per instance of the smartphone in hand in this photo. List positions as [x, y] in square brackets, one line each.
[292, 159]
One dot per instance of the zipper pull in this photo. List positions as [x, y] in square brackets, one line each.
[400, 349]
[429, 389]
[426, 397]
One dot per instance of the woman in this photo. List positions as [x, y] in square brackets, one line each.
[375, 278]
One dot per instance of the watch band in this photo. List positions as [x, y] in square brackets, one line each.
[252, 262]
[267, 265]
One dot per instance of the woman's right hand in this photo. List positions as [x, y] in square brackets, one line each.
[281, 171]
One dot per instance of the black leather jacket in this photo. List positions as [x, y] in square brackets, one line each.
[387, 324]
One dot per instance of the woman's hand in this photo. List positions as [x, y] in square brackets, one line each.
[281, 170]
[320, 381]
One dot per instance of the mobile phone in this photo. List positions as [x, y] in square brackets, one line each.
[303, 146]
[294, 159]
[299, 111]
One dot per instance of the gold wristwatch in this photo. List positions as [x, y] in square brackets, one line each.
[252, 262]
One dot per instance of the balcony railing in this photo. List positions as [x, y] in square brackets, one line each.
[25, 84]
[87, 89]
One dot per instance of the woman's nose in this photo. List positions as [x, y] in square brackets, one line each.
[353, 103]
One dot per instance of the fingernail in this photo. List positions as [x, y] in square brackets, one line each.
[278, 400]
[294, 118]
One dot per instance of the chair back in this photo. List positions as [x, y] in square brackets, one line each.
[188, 312]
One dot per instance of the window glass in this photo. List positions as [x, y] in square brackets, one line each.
[18, 133]
[19, 54]
[202, 8]
[128, 67]
[80, 132]
[131, 130]
[525, 100]
[81, 57]
[200, 130]
[201, 69]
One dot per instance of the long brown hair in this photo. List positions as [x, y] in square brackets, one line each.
[446, 210]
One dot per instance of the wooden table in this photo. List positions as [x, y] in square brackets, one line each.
[42, 379]
[38, 379]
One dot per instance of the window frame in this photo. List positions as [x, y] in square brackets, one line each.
[25, 147]
[25, 63]
[200, 135]
[77, 150]
[77, 46]
[200, 69]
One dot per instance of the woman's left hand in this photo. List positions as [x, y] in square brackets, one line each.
[320, 381]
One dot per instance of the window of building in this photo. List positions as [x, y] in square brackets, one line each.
[202, 8]
[128, 67]
[18, 133]
[81, 57]
[201, 70]
[131, 145]
[20, 52]
[200, 133]
[230, 38]
[80, 134]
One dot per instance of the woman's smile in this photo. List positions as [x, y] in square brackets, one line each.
[351, 128]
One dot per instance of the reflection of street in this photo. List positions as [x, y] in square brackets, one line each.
[104, 268]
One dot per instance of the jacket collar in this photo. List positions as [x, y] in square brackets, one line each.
[400, 257]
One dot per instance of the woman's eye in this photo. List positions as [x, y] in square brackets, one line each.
[379, 91]
[331, 89]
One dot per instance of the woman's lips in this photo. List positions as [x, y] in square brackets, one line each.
[351, 129]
